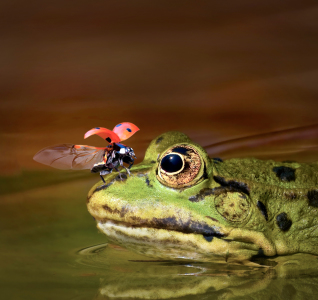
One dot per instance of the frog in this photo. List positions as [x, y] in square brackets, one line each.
[181, 204]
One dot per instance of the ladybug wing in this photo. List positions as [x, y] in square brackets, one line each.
[300, 144]
[69, 156]
[103, 133]
[125, 130]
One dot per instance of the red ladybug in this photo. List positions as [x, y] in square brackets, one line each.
[102, 160]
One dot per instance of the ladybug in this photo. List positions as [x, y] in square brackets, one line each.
[97, 159]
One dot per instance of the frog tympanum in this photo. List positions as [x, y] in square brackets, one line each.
[180, 204]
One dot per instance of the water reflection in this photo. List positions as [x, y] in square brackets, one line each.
[286, 277]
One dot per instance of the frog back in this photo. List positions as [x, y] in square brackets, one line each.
[287, 175]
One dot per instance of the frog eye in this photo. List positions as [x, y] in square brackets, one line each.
[172, 163]
[180, 166]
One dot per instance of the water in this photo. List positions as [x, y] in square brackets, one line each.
[51, 249]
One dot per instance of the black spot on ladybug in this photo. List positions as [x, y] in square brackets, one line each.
[234, 185]
[109, 140]
[97, 127]
[263, 209]
[128, 129]
[283, 222]
[217, 159]
[285, 174]
[118, 125]
[313, 198]
[159, 139]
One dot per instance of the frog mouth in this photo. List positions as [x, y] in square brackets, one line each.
[161, 224]
[215, 243]
[122, 226]
[176, 245]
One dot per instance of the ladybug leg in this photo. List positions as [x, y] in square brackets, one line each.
[118, 173]
[128, 171]
[122, 165]
[131, 164]
[102, 178]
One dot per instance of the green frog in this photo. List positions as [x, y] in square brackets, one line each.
[180, 204]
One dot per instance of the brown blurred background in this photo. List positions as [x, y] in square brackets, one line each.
[216, 70]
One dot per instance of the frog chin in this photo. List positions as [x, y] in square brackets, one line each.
[175, 245]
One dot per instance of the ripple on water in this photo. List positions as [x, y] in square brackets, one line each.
[97, 256]
[109, 256]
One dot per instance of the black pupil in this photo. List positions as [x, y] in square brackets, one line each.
[171, 163]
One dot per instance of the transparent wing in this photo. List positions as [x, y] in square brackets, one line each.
[69, 156]
[299, 144]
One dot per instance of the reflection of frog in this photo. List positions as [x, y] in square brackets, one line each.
[130, 276]
[180, 204]
[292, 277]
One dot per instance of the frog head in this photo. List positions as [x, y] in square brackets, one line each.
[173, 206]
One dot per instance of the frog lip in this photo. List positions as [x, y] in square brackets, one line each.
[207, 234]
[185, 224]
